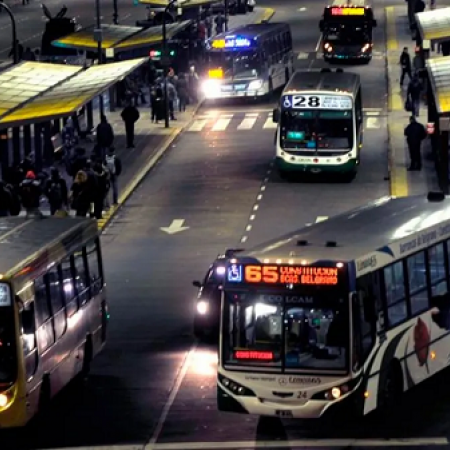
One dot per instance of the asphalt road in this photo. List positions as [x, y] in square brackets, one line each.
[152, 384]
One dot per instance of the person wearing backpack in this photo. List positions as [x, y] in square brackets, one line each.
[56, 191]
[114, 166]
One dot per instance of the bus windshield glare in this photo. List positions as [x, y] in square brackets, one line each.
[346, 36]
[242, 64]
[267, 331]
[8, 362]
[316, 130]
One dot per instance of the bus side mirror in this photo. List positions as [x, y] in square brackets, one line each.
[374, 23]
[321, 25]
[276, 115]
[28, 321]
[197, 284]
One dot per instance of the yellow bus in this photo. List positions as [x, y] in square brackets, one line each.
[53, 310]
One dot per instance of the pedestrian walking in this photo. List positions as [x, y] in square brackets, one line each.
[413, 95]
[80, 195]
[193, 82]
[56, 192]
[415, 133]
[30, 191]
[114, 166]
[105, 136]
[405, 64]
[220, 22]
[130, 115]
[183, 92]
[172, 99]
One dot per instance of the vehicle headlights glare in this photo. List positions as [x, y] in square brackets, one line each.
[202, 307]
[211, 88]
[255, 85]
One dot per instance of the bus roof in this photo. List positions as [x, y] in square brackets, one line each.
[321, 80]
[40, 241]
[252, 31]
[354, 234]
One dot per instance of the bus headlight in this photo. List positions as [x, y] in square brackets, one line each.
[236, 388]
[202, 307]
[211, 88]
[328, 47]
[3, 400]
[365, 48]
[255, 85]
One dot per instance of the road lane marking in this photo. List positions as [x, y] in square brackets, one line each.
[302, 443]
[303, 55]
[302, 9]
[373, 123]
[392, 43]
[221, 124]
[175, 227]
[248, 122]
[319, 42]
[173, 394]
[198, 125]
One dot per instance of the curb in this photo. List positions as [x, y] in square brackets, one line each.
[148, 166]
[153, 160]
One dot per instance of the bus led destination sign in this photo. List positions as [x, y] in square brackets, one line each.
[343, 11]
[279, 274]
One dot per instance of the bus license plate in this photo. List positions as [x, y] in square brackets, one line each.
[283, 413]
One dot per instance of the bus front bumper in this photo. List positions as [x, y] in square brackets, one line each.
[298, 165]
[235, 94]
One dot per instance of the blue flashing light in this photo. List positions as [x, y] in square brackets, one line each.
[237, 42]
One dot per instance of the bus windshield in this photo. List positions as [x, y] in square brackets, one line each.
[317, 130]
[243, 64]
[8, 363]
[349, 36]
[314, 335]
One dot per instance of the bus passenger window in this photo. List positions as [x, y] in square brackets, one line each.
[70, 297]
[417, 282]
[395, 293]
[438, 278]
[26, 316]
[57, 301]
[45, 335]
[81, 282]
[94, 267]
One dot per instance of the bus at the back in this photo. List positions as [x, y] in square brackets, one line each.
[320, 124]
[347, 31]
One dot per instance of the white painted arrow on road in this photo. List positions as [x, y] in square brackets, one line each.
[175, 227]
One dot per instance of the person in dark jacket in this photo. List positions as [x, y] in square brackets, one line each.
[405, 64]
[130, 115]
[415, 133]
[157, 104]
[183, 92]
[19, 51]
[413, 94]
[102, 189]
[105, 136]
[56, 191]
[5, 200]
[78, 162]
[80, 197]
[30, 193]
[114, 166]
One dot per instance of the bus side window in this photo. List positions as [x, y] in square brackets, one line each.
[438, 277]
[417, 282]
[70, 295]
[94, 267]
[394, 281]
[57, 301]
[81, 277]
[44, 324]
[27, 325]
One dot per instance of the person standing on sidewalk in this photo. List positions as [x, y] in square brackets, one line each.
[105, 136]
[30, 193]
[405, 64]
[413, 95]
[130, 115]
[56, 191]
[415, 133]
[183, 92]
[220, 23]
[114, 166]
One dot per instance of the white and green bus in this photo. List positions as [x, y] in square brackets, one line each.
[320, 123]
[350, 312]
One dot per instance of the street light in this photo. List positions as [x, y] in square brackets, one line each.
[165, 61]
[14, 32]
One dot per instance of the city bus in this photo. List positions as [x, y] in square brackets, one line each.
[347, 31]
[248, 61]
[344, 315]
[320, 124]
[53, 310]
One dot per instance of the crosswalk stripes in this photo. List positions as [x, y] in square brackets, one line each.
[240, 121]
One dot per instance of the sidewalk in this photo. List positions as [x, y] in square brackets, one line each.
[151, 140]
[402, 182]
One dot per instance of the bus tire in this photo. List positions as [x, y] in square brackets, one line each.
[284, 175]
[44, 394]
[391, 387]
[270, 86]
[87, 358]
[349, 177]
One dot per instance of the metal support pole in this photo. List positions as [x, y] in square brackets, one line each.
[13, 32]
[17, 151]
[38, 146]
[4, 154]
[99, 49]
[116, 13]
[444, 126]
[27, 139]
[164, 58]
[226, 15]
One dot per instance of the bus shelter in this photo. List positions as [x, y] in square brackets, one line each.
[34, 97]
[434, 25]
[438, 127]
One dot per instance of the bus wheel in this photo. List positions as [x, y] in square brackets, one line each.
[44, 394]
[270, 86]
[348, 177]
[391, 388]
[87, 358]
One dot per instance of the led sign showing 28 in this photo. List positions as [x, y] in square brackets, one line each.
[347, 11]
[299, 275]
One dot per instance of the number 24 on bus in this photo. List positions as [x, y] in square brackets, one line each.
[291, 275]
